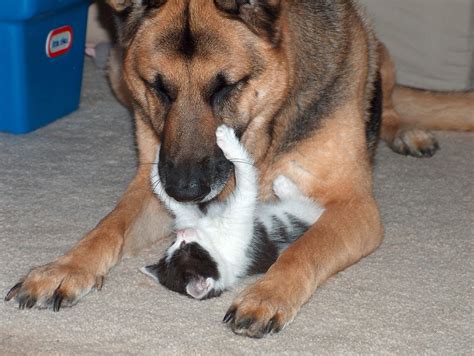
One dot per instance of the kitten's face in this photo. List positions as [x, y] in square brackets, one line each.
[187, 268]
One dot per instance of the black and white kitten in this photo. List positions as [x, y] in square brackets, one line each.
[234, 238]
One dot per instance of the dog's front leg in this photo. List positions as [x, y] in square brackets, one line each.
[66, 280]
[344, 234]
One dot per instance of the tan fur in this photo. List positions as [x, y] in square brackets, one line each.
[349, 229]
[116, 78]
[435, 111]
[73, 275]
[408, 113]
[402, 136]
[329, 162]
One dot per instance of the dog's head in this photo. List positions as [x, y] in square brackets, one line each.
[192, 65]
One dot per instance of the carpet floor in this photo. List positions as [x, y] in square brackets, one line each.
[412, 296]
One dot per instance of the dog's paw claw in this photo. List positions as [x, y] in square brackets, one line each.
[13, 292]
[57, 301]
[26, 302]
[99, 282]
[53, 286]
[230, 315]
[415, 142]
[258, 312]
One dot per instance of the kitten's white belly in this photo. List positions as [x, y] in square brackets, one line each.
[228, 245]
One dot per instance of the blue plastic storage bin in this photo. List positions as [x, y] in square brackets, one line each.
[41, 61]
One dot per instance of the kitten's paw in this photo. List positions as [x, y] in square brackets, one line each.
[414, 142]
[233, 150]
[284, 188]
[227, 141]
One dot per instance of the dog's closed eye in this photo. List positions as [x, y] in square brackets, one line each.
[221, 89]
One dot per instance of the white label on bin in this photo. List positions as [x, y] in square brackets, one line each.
[59, 41]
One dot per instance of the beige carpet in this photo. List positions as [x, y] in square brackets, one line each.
[413, 296]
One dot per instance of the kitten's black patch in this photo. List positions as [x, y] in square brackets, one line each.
[188, 262]
[266, 245]
[372, 129]
[283, 235]
[298, 227]
[262, 251]
[279, 229]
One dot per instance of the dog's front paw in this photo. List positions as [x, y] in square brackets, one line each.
[261, 309]
[53, 286]
[414, 142]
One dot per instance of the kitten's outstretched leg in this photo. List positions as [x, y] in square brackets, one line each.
[246, 191]
[185, 213]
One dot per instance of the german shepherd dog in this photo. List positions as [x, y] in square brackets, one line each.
[308, 89]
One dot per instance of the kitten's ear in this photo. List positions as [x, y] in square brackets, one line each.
[261, 16]
[151, 271]
[199, 287]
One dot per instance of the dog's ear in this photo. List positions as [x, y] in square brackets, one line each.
[129, 15]
[261, 16]
[122, 5]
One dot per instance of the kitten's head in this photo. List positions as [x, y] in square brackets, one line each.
[188, 269]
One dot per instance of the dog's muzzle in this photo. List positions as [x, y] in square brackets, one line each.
[189, 181]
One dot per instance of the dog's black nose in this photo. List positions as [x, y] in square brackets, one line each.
[188, 188]
[195, 178]
[187, 181]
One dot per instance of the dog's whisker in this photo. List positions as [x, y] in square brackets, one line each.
[236, 160]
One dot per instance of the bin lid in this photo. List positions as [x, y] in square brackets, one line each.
[26, 9]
